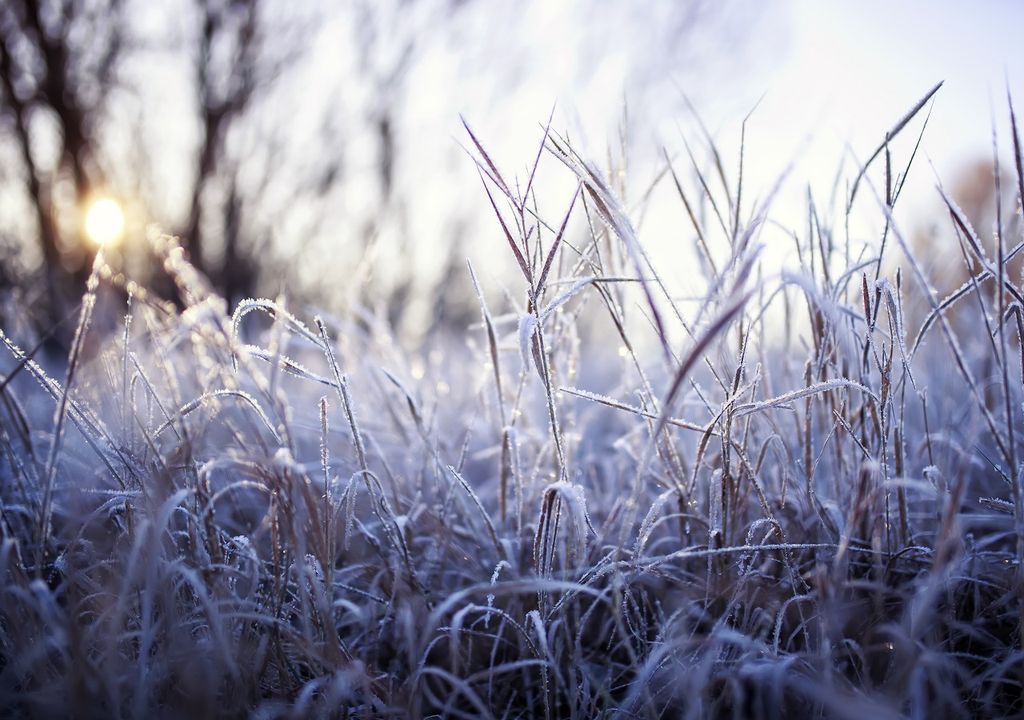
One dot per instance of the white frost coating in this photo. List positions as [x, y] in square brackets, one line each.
[527, 327]
[564, 297]
[88, 424]
[490, 596]
[785, 398]
[612, 402]
[192, 405]
[648, 524]
[288, 364]
[272, 309]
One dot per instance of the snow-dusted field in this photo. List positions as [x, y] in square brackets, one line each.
[797, 495]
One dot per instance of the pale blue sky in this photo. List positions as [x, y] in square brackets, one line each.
[832, 78]
[854, 68]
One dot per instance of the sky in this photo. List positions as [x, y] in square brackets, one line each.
[853, 69]
[825, 81]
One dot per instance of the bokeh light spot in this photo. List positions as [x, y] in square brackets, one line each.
[104, 222]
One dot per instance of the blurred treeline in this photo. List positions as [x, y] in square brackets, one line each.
[269, 135]
[80, 84]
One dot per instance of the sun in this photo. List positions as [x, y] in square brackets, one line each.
[104, 222]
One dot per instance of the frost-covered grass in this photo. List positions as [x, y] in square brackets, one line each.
[795, 496]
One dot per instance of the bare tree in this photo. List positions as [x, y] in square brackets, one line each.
[57, 63]
[226, 78]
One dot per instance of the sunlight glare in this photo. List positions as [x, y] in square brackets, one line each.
[104, 222]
